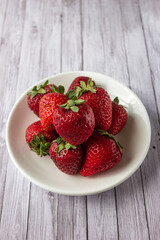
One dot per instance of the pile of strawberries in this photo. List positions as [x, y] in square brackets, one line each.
[76, 129]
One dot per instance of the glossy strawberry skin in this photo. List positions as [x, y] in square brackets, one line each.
[68, 161]
[102, 107]
[76, 82]
[48, 105]
[102, 153]
[36, 128]
[74, 127]
[119, 118]
[33, 103]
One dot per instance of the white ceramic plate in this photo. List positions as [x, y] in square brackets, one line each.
[135, 138]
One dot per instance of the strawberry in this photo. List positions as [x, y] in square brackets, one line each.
[38, 139]
[119, 117]
[102, 152]
[98, 99]
[76, 82]
[67, 158]
[35, 96]
[102, 107]
[74, 123]
[47, 106]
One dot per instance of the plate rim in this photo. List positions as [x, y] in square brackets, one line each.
[69, 192]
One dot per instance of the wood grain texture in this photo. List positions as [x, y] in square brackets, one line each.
[14, 216]
[71, 210]
[150, 15]
[118, 38]
[140, 78]
[102, 218]
[42, 212]
[135, 208]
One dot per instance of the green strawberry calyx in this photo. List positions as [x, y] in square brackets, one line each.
[103, 132]
[39, 145]
[59, 89]
[78, 91]
[116, 100]
[71, 104]
[36, 90]
[63, 144]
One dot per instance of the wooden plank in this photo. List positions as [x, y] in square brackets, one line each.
[10, 48]
[97, 48]
[42, 219]
[50, 58]
[116, 56]
[102, 216]
[3, 10]
[71, 210]
[108, 27]
[150, 14]
[4, 155]
[140, 78]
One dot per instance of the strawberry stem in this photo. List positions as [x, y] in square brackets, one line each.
[71, 104]
[102, 132]
[39, 145]
[116, 100]
[63, 144]
[78, 91]
[36, 90]
[59, 89]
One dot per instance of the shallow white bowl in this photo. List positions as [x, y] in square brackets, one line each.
[135, 138]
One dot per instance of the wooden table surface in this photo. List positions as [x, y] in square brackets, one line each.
[121, 38]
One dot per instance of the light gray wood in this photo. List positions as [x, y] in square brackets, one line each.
[140, 78]
[110, 32]
[71, 210]
[102, 218]
[4, 154]
[14, 216]
[150, 14]
[118, 38]
[137, 225]
[42, 211]
[2, 16]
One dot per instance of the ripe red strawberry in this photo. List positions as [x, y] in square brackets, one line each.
[119, 117]
[66, 157]
[98, 99]
[74, 123]
[102, 153]
[77, 82]
[48, 105]
[101, 104]
[35, 96]
[38, 139]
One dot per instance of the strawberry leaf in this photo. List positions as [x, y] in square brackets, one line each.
[61, 89]
[39, 145]
[36, 90]
[74, 108]
[58, 140]
[68, 146]
[70, 94]
[116, 100]
[63, 144]
[71, 104]
[60, 147]
[53, 88]
[83, 85]
[79, 101]
[112, 137]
